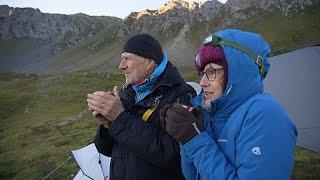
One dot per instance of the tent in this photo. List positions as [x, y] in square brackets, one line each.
[294, 80]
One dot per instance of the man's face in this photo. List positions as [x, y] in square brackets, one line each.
[213, 88]
[136, 69]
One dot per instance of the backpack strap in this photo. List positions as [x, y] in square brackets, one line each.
[149, 111]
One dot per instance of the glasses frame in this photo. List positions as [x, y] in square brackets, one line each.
[209, 77]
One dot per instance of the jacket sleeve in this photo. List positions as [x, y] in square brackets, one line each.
[188, 169]
[103, 141]
[264, 148]
[146, 140]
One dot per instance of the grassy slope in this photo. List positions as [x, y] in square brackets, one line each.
[91, 55]
[283, 33]
[42, 122]
[17, 54]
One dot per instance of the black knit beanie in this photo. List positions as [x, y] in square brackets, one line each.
[144, 45]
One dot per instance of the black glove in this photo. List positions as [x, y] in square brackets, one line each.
[185, 99]
[182, 124]
[163, 115]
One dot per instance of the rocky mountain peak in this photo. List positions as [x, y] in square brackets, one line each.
[63, 31]
[146, 12]
[206, 11]
[175, 4]
[6, 11]
[172, 5]
[177, 24]
[211, 4]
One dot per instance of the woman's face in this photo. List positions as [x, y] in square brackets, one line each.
[214, 86]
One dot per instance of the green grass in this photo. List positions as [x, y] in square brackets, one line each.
[24, 46]
[307, 164]
[283, 33]
[297, 28]
[41, 121]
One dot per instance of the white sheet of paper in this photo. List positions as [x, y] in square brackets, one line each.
[88, 161]
[105, 162]
[81, 176]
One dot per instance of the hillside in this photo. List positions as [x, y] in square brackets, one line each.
[43, 117]
[32, 41]
[50, 62]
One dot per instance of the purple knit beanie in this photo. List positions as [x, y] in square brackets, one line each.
[211, 54]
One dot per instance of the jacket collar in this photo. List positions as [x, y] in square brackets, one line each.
[169, 78]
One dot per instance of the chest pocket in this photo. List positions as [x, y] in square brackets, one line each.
[150, 110]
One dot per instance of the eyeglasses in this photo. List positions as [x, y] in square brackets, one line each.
[210, 73]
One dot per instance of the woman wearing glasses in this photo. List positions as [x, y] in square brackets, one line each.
[234, 130]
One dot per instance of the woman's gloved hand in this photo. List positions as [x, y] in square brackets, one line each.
[182, 122]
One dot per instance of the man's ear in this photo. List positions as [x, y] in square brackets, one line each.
[151, 63]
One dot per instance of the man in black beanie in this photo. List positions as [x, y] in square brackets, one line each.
[131, 133]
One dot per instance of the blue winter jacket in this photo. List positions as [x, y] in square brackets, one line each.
[248, 134]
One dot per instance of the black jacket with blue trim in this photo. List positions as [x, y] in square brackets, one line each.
[143, 150]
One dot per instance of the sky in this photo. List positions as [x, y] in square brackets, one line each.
[118, 8]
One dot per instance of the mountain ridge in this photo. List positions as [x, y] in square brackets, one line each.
[179, 26]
